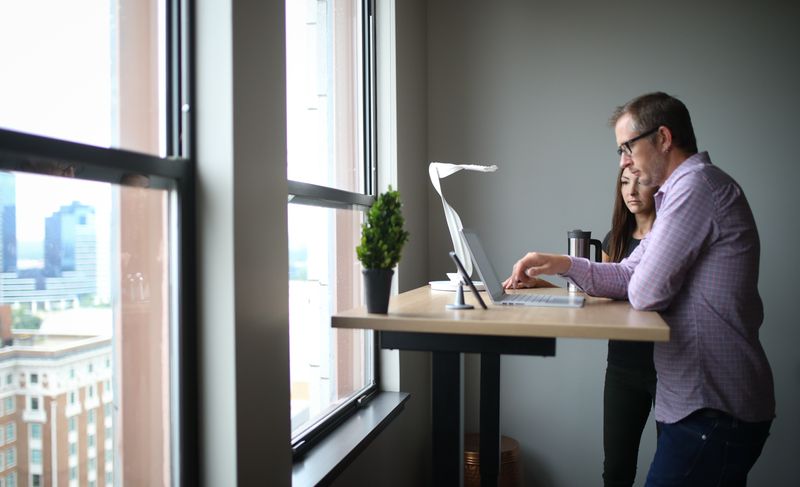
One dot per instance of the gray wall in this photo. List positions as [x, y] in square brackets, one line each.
[529, 86]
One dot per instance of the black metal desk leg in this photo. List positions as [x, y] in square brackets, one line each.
[490, 419]
[447, 439]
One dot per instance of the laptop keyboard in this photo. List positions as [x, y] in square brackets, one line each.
[527, 298]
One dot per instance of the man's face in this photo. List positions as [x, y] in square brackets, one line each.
[644, 160]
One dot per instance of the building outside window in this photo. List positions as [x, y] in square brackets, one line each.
[330, 142]
[96, 186]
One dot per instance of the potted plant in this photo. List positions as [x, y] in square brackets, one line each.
[382, 240]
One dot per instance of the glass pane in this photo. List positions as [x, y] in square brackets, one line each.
[327, 365]
[85, 329]
[324, 93]
[89, 71]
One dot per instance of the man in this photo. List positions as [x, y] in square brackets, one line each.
[699, 268]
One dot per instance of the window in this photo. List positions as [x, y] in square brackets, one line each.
[73, 473]
[9, 405]
[96, 196]
[330, 142]
[36, 431]
[73, 449]
[36, 480]
[36, 456]
[91, 441]
[90, 416]
[11, 432]
[11, 457]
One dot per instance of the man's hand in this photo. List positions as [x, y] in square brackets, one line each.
[533, 264]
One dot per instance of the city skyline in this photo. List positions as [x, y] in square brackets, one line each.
[64, 269]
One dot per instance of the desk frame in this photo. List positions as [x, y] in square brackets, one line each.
[419, 320]
[446, 392]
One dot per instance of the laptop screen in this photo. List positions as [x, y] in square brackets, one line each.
[485, 269]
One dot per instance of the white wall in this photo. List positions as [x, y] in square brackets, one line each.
[529, 86]
[242, 259]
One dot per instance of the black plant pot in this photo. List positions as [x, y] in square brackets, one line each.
[378, 286]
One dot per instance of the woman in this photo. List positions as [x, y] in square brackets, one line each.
[630, 384]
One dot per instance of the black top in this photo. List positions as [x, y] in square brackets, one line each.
[625, 353]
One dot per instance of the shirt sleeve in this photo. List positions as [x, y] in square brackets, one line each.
[681, 231]
[654, 273]
[605, 279]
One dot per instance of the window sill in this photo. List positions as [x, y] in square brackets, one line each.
[326, 460]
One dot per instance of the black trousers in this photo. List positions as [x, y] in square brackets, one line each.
[627, 399]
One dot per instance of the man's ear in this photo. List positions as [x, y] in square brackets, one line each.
[665, 138]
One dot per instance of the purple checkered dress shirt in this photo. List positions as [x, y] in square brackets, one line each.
[699, 268]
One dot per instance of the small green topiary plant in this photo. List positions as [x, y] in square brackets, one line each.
[382, 235]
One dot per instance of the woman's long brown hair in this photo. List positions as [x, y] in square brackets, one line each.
[623, 223]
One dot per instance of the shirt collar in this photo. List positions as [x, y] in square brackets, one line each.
[684, 167]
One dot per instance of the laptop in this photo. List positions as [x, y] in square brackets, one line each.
[495, 288]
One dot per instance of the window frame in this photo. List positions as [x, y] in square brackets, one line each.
[176, 171]
[326, 197]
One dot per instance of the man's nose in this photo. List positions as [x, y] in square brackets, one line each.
[625, 161]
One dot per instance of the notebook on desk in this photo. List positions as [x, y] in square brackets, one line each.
[495, 289]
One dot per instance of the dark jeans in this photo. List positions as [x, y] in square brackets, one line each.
[707, 448]
[627, 399]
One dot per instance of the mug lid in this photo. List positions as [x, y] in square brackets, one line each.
[578, 234]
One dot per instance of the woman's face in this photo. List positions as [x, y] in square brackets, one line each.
[638, 198]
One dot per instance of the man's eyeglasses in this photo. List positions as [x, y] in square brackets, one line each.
[626, 146]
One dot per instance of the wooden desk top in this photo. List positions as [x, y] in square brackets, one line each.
[423, 310]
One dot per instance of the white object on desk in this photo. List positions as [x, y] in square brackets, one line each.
[441, 170]
[452, 284]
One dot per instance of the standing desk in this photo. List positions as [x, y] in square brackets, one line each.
[418, 320]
